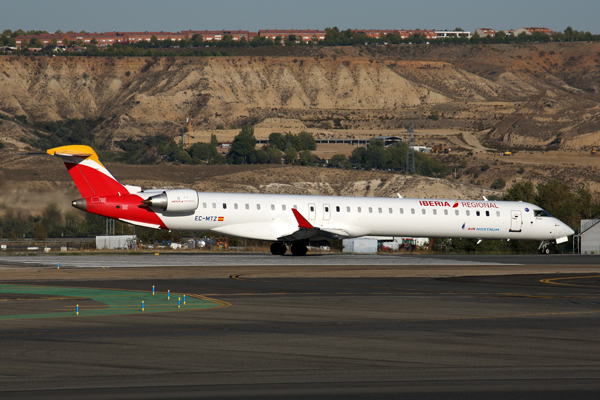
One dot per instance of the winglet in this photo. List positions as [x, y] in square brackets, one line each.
[302, 222]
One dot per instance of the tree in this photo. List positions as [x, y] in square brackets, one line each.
[39, 231]
[359, 155]
[273, 155]
[197, 40]
[340, 161]
[307, 158]
[435, 115]
[292, 140]
[276, 140]
[291, 155]
[66, 42]
[24, 43]
[36, 43]
[307, 141]
[94, 42]
[243, 146]
[52, 220]
[521, 191]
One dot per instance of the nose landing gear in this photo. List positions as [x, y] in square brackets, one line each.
[543, 248]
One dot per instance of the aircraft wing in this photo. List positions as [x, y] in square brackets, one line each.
[307, 231]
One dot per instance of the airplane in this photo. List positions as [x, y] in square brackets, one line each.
[299, 220]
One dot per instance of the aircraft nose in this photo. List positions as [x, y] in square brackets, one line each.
[569, 231]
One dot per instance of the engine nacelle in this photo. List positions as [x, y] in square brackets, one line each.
[174, 200]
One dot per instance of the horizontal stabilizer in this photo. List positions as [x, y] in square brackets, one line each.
[144, 224]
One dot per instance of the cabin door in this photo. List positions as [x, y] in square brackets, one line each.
[516, 221]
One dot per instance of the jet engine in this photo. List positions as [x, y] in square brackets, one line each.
[174, 200]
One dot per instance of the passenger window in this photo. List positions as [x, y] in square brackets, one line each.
[370, 209]
[445, 212]
[497, 213]
[347, 209]
[235, 206]
[337, 208]
[468, 213]
[312, 208]
[258, 206]
[247, 206]
[402, 211]
[477, 213]
[272, 206]
[358, 209]
[295, 206]
[326, 209]
[390, 210]
[434, 211]
[412, 210]
[424, 211]
[204, 205]
[487, 213]
[283, 207]
[456, 212]
[214, 205]
[380, 210]
[224, 206]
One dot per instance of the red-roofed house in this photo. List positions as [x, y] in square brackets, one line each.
[483, 32]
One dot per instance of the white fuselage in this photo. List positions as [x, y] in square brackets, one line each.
[269, 217]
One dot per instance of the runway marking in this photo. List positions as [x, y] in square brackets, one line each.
[551, 281]
[125, 302]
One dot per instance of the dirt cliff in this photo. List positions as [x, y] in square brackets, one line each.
[525, 95]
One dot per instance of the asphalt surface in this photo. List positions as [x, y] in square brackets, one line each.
[533, 336]
[261, 259]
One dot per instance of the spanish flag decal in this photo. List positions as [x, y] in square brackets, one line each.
[221, 218]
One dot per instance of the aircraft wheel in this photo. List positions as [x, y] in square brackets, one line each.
[278, 248]
[298, 249]
[546, 251]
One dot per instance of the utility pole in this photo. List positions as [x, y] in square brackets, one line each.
[410, 149]
[188, 120]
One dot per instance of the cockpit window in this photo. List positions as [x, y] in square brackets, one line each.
[541, 213]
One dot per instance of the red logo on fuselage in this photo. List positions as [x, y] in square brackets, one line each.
[435, 203]
[466, 204]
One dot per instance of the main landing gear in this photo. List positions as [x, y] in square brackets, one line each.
[299, 249]
[279, 249]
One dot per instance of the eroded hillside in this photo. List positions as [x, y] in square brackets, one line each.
[529, 95]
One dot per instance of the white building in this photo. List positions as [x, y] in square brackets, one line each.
[447, 34]
[589, 238]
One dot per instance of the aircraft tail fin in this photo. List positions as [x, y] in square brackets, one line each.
[90, 176]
